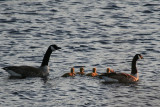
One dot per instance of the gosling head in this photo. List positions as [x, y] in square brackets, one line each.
[108, 70]
[82, 70]
[94, 70]
[72, 70]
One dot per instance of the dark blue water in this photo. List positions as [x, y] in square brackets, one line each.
[92, 33]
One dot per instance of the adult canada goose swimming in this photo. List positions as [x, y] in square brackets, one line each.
[81, 71]
[71, 74]
[29, 71]
[93, 74]
[124, 77]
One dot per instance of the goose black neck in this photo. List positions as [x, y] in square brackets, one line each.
[46, 57]
[134, 68]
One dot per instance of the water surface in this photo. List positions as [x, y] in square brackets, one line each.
[92, 33]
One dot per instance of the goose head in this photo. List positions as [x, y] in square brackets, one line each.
[54, 47]
[138, 56]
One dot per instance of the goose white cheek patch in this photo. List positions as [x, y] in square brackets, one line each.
[139, 57]
[52, 48]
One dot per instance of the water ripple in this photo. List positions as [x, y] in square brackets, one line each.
[94, 33]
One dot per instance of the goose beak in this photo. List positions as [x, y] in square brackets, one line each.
[58, 48]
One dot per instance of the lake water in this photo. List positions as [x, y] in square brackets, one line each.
[92, 33]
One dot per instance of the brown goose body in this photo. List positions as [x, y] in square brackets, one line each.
[123, 77]
[119, 77]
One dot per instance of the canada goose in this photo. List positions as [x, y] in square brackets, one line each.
[81, 71]
[93, 74]
[124, 77]
[71, 74]
[29, 71]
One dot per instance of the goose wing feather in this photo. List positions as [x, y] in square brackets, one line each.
[24, 70]
[121, 77]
